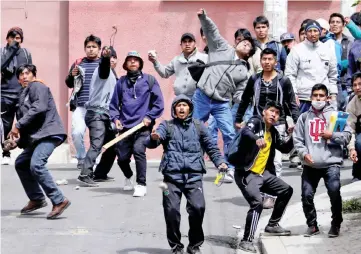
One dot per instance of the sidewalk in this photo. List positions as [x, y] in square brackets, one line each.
[294, 219]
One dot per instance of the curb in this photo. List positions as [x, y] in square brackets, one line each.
[274, 244]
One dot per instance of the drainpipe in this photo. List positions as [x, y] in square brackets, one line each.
[276, 12]
[347, 10]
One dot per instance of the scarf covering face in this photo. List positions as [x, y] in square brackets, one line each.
[133, 76]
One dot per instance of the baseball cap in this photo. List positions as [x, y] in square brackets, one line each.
[287, 37]
[188, 35]
[324, 24]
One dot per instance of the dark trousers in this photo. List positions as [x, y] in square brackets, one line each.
[100, 133]
[8, 109]
[356, 168]
[310, 180]
[195, 208]
[252, 185]
[33, 173]
[134, 145]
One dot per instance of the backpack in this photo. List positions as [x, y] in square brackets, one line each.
[170, 129]
[151, 82]
[257, 92]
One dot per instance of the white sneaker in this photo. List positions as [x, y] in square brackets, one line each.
[140, 191]
[5, 160]
[294, 162]
[229, 177]
[128, 184]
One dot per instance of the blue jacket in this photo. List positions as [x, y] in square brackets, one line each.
[183, 142]
[281, 54]
[132, 103]
[354, 61]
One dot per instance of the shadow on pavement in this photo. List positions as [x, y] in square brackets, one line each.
[294, 172]
[144, 250]
[222, 241]
[238, 201]
[116, 190]
[74, 169]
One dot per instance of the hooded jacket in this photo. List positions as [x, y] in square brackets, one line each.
[101, 87]
[311, 63]
[37, 115]
[253, 131]
[354, 61]
[182, 159]
[281, 53]
[183, 84]
[307, 139]
[12, 56]
[281, 89]
[354, 119]
[219, 82]
[131, 103]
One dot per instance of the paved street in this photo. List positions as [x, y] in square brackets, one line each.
[108, 220]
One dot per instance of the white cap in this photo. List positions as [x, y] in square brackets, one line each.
[324, 24]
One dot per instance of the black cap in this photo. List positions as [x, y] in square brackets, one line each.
[188, 35]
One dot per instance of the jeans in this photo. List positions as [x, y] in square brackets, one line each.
[251, 185]
[134, 145]
[8, 109]
[247, 115]
[356, 168]
[195, 208]
[213, 129]
[78, 128]
[33, 173]
[278, 156]
[220, 110]
[310, 179]
[100, 133]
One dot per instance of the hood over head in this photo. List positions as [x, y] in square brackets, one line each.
[183, 98]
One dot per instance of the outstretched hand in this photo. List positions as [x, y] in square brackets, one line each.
[154, 135]
[200, 12]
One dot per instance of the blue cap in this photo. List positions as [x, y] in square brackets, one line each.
[287, 37]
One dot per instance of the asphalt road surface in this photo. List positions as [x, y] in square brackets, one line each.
[109, 220]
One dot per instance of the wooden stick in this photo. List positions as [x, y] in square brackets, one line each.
[123, 135]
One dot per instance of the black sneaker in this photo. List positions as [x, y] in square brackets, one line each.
[87, 181]
[193, 250]
[276, 230]
[313, 230]
[80, 164]
[247, 246]
[334, 231]
[103, 179]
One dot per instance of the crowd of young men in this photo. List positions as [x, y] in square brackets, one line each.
[247, 90]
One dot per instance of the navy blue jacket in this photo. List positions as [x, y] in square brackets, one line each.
[182, 160]
[250, 133]
[132, 103]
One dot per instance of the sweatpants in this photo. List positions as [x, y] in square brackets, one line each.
[310, 179]
[133, 145]
[100, 133]
[195, 209]
[252, 185]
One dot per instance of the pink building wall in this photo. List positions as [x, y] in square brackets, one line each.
[55, 32]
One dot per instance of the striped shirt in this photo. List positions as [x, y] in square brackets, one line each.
[89, 66]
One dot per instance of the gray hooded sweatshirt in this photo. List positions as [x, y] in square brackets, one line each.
[307, 140]
[219, 82]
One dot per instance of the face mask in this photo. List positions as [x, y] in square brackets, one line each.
[318, 105]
